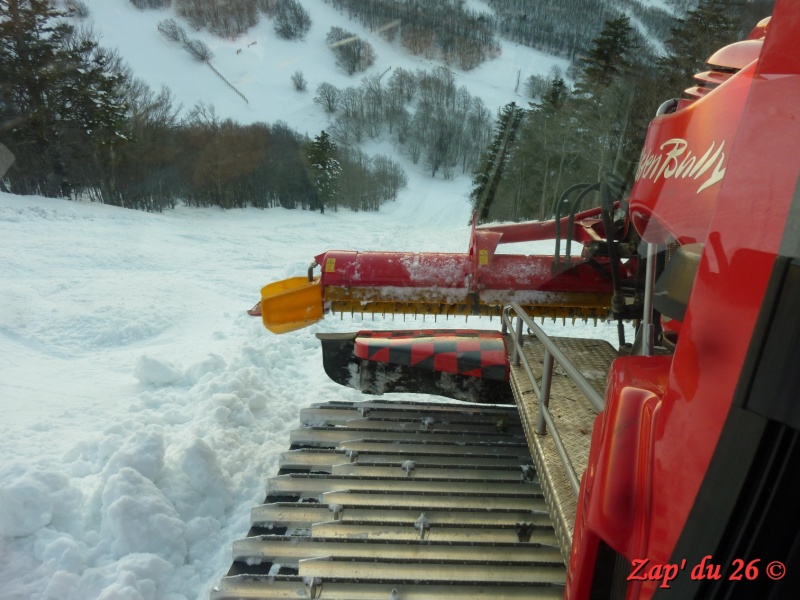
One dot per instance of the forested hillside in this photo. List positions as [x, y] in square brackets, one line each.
[427, 117]
[594, 130]
[445, 29]
[80, 124]
[567, 28]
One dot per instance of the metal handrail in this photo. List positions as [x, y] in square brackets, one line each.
[552, 354]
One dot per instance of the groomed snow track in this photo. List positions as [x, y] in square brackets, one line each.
[403, 501]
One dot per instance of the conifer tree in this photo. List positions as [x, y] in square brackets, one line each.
[555, 96]
[488, 177]
[325, 171]
[609, 56]
[60, 100]
[605, 94]
[29, 40]
[699, 34]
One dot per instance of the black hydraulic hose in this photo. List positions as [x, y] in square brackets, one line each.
[617, 300]
[557, 216]
[592, 188]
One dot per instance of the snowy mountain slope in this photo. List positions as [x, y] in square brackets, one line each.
[143, 410]
[263, 67]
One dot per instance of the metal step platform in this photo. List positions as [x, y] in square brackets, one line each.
[571, 413]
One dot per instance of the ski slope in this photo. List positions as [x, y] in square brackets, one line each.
[143, 409]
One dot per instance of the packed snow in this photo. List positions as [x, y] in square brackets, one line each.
[144, 410]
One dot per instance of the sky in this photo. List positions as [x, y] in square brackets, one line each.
[143, 409]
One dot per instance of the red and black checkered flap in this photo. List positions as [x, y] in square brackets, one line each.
[469, 352]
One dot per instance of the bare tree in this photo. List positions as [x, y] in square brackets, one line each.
[77, 8]
[292, 21]
[226, 19]
[352, 53]
[536, 85]
[267, 6]
[171, 30]
[327, 96]
[403, 83]
[299, 81]
[198, 49]
[373, 104]
[351, 123]
[142, 4]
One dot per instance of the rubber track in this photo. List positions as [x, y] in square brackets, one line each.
[423, 510]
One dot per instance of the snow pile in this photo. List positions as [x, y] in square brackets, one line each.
[33, 500]
[152, 371]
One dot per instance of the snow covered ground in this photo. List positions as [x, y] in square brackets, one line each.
[260, 64]
[143, 410]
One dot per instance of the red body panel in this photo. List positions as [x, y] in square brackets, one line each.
[743, 241]
[401, 269]
[454, 274]
[495, 279]
[615, 499]
[683, 162]
[587, 226]
[652, 447]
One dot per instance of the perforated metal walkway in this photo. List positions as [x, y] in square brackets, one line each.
[573, 416]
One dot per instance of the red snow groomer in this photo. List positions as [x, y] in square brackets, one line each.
[479, 282]
[664, 469]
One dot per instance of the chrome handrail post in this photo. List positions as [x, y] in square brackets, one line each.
[544, 401]
[518, 338]
[648, 327]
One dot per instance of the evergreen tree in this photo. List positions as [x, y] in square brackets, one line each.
[543, 161]
[325, 171]
[609, 55]
[555, 96]
[605, 95]
[29, 41]
[488, 177]
[702, 32]
[96, 115]
[61, 102]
